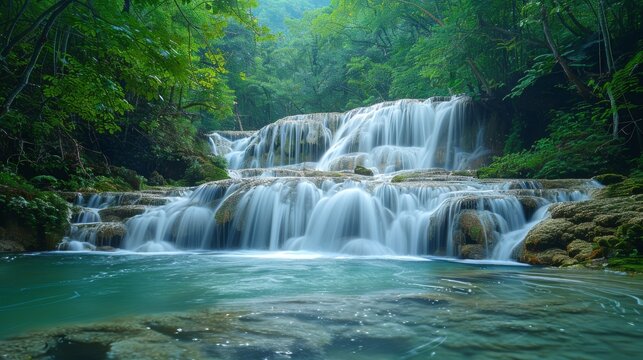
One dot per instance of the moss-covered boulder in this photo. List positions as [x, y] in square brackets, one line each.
[120, 213]
[473, 251]
[361, 170]
[101, 234]
[598, 230]
[580, 250]
[547, 235]
[475, 227]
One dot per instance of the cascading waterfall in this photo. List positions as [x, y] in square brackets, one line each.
[387, 137]
[294, 189]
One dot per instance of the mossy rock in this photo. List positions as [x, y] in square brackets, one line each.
[361, 170]
[129, 176]
[606, 241]
[542, 257]
[628, 187]
[473, 251]
[547, 234]
[580, 250]
[120, 213]
[475, 228]
[529, 204]
[609, 179]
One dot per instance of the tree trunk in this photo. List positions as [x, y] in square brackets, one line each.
[602, 22]
[11, 43]
[583, 90]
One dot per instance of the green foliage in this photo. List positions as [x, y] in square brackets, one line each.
[630, 264]
[630, 240]
[105, 77]
[543, 65]
[578, 146]
[202, 170]
[24, 205]
[630, 186]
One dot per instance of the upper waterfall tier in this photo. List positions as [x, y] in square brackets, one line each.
[386, 137]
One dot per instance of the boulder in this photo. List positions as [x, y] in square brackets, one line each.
[580, 250]
[361, 170]
[475, 227]
[120, 213]
[547, 234]
[473, 251]
[545, 257]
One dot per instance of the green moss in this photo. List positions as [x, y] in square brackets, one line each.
[360, 170]
[609, 179]
[628, 187]
[475, 232]
[630, 264]
[399, 178]
[205, 169]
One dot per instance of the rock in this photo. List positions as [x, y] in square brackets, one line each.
[562, 260]
[100, 234]
[17, 238]
[580, 250]
[547, 234]
[11, 246]
[529, 204]
[476, 227]
[543, 257]
[156, 179]
[609, 179]
[608, 220]
[360, 170]
[472, 251]
[120, 213]
[606, 241]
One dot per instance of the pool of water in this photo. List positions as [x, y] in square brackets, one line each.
[267, 305]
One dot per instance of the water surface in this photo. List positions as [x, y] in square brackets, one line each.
[297, 305]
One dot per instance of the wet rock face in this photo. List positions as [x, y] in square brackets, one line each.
[475, 234]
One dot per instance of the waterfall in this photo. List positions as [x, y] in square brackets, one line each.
[387, 137]
[294, 189]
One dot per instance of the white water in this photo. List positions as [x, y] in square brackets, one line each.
[289, 201]
[387, 137]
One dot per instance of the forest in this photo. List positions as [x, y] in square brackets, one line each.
[118, 95]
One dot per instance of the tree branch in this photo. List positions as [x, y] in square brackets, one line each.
[40, 44]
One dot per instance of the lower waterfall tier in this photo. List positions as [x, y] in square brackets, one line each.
[432, 213]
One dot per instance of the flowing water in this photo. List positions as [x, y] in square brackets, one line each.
[294, 189]
[295, 305]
